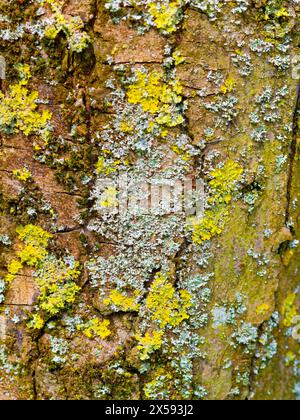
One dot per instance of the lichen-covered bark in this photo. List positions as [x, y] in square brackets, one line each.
[100, 304]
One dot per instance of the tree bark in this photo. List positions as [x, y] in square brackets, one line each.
[149, 305]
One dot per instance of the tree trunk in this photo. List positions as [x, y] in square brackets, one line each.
[111, 287]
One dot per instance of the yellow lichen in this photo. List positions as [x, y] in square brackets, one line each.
[72, 27]
[215, 218]
[18, 109]
[95, 327]
[13, 268]
[186, 156]
[223, 182]
[121, 302]
[166, 16]
[210, 226]
[290, 358]
[103, 167]
[262, 309]
[34, 235]
[160, 98]
[109, 198]
[166, 306]
[36, 322]
[125, 127]
[160, 385]
[149, 344]
[274, 9]
[289, 310]
[35, 241]
[178, 58]
[22, 175]
[56, 279]
[228, 85]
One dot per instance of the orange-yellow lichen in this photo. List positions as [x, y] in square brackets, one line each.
[18, 109]
[72, 27]
[157, 96]
[149, 343]
[122, 302]
[289, 310]
[215, 218]
[96, 328]
[166, 306]
[166, 16]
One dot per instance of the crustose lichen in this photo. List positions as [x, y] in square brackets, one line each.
[18, 109]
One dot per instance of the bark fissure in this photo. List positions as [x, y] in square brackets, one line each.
[292, 154]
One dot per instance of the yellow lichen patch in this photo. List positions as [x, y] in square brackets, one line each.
[161, 383]
[180, 151]
[223, 182]
[210, 226]
[274, 10]
[166, 306]
[109, 198]
[56, 279]
[178, 58]
[73, 27]
[289, 310]
[125, 127]
[160, 98]
[228, 85]
[31, 255]
[148, 344]
[22, 175]
[35, 241]
[36, 322]
[215, 218]
[34, 235]
[96, 328]
[106, 168]
[290, 358]
[262, 309]
[18, 109]
[166, 16]
[287, 256]
[121, 302]
[24, 73]
[13, 268]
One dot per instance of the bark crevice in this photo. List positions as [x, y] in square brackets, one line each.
[292, 154]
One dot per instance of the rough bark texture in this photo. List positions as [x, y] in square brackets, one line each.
[228, 285]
